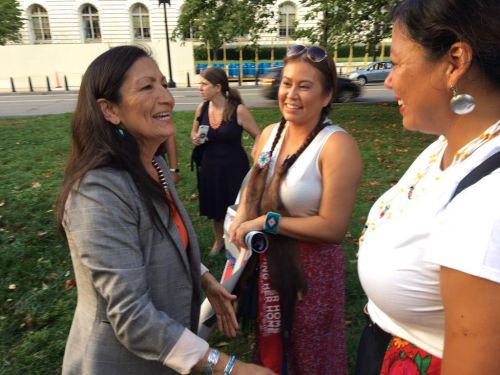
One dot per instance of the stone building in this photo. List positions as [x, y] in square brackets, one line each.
[61, 37]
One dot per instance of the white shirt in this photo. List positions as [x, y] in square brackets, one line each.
[407, 240]
[189, 349]
[302, 187]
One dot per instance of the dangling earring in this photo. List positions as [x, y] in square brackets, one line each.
[120, 132]
[461, 104]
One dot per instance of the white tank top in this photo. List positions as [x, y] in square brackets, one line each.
[301, 188]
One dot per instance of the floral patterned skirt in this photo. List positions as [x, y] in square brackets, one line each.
[404, 358]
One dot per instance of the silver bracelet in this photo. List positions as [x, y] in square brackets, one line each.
[213, 358]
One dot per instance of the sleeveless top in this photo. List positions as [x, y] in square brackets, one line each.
[301, 189]
[223, 167]
[224, 142]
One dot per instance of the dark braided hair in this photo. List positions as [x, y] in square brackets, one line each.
[285, 270]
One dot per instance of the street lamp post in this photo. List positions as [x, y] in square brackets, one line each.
[170, 82]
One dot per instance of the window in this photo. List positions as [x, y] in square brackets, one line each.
[287, 19]
[40, 23]
[90, 20]
[140, 22]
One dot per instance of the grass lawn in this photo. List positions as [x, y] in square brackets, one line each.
[37, 293]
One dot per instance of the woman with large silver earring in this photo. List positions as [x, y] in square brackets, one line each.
[429, 256]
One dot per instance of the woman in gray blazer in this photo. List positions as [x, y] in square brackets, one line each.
[134, 251]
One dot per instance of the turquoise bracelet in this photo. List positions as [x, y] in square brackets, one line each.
[271, 222]
[230, 365]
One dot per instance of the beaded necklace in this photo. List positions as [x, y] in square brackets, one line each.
[460, 155]
[161, 176]
[473, 145]
[177, 219]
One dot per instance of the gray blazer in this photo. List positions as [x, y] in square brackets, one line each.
[138, 288]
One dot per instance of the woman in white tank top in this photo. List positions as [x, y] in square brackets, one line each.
[301, 191]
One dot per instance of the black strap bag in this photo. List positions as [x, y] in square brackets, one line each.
[197, 153]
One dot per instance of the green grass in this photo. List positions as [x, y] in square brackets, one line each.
[36, 294]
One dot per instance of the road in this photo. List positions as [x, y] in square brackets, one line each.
[186, 99]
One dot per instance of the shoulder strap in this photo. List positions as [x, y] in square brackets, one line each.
[204, 108]
[482, 170]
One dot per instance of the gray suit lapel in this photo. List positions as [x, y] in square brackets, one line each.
[163, 212]
[172, 231]
[191, 255]
[164, 215]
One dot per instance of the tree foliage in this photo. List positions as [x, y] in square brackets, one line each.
[218, 21]
[372, 17]
[346, 22]
[331, 18]
[10, 21]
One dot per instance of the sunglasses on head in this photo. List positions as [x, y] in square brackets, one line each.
[314, 53]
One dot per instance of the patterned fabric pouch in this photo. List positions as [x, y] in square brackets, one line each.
[403, 357]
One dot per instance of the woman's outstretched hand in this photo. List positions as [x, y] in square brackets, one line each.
[239, 368]
[221, 301]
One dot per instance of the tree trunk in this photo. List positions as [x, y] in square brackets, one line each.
[326, 29]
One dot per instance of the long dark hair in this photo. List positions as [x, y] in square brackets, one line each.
[437, 24]
[286, 274]
[95, 141]
[217, 76]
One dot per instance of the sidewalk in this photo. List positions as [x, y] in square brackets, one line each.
[61, 90]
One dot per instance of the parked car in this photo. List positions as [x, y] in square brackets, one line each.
[346, 88]
[374, 72]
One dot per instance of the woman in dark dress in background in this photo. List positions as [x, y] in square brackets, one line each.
[225, 162]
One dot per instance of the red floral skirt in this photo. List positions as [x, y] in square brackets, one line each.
[404, 358]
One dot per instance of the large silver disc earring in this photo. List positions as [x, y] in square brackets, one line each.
[461, 104]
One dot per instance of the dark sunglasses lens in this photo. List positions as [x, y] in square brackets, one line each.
[316, 54]
[295, 50]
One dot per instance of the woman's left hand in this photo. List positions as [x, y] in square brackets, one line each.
[239, 233]
[221, 301]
